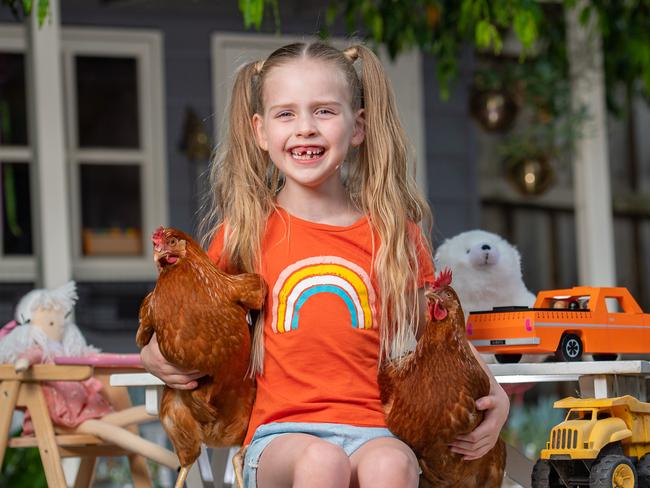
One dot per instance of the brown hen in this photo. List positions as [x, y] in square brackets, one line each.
[199, 316]
[429, 397]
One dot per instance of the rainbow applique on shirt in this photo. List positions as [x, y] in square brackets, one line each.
[300, 281]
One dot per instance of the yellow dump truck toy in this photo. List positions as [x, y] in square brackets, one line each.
[602, 443]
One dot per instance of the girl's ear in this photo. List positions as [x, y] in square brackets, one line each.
[260, 133]
[359, 130]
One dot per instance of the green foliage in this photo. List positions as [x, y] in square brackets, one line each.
[23, 8]
[444, 27]
[22, 467]
[625, 28]
[529, 425]
[440, 27]
[253, 12]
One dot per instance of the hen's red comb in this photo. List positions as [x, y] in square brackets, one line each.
[443, 279]
[158, 235]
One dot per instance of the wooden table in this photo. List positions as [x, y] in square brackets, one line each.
[24, 389]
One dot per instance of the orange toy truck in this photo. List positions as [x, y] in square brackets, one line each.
[568, 323]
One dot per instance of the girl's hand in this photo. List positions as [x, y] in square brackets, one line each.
[170, 374]
[478, 442]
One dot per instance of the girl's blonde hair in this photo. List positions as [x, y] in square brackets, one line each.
[245, 183]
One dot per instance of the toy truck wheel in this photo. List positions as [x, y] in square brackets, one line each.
[605, 357]
[570, 348]
[643, 471]
[613, 471]
[507, 358]
[544, 476]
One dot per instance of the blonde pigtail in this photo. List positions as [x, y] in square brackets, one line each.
[241, 199]
[388, 194]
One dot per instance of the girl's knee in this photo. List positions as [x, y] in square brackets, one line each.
[324, 460]
[389, 467]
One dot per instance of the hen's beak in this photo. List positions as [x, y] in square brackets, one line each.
[163, 258]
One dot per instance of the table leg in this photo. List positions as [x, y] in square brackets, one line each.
[32, 397]
[8, 397]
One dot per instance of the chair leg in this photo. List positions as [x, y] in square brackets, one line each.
[139, 471]
[8, 397]
[86, 472]
[34, 400]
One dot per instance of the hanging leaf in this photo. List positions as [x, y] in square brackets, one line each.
[525, 28]
[43, 10]
[253, 12]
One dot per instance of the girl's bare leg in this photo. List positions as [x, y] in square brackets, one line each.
[384, 462]
[303, 461]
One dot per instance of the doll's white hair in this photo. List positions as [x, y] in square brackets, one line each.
[25, 336]
[61, 298]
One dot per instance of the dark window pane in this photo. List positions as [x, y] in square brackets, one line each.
[107, 102]
[13, 101]
[16, 210]
[111, 213]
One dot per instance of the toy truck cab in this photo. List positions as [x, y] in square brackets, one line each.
[601, 443]
[566, 322]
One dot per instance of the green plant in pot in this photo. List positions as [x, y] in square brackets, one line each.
[548, 129]
[492, 100]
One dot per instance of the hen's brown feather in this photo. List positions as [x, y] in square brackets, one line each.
[429, 399]
[199, 316]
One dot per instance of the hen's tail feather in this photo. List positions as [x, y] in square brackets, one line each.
[250, 290]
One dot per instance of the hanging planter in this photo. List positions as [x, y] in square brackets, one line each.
[531, 175]
[495, 110]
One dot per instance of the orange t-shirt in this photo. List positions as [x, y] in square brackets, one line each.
[321, 336]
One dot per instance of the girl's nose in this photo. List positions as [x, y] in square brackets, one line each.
[306, 127]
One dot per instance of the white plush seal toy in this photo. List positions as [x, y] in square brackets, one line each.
[486, 270]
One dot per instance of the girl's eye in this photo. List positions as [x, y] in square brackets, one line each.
[324, 111]
[283, 115]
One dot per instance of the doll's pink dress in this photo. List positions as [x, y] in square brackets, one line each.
[69, 402]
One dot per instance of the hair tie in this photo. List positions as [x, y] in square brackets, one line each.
[259, 65]
[352, 53]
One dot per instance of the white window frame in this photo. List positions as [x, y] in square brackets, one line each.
[15, 268]
[405, 74]
[146, 47]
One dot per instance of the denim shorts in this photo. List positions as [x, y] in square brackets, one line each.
[348, 437]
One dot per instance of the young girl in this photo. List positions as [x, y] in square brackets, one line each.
[312, 191]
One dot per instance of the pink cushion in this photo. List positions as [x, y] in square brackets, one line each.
[105, 360]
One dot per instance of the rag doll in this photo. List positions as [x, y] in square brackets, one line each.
[43, 330]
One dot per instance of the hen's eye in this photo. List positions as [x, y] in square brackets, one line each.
[172, 241]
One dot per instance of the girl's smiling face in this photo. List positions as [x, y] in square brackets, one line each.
[308, 124]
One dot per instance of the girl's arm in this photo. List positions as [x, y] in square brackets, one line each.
[496, 406]
[170, 374]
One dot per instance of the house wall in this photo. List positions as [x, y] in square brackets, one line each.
[107, 312]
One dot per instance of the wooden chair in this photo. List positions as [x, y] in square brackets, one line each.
[23, 390]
